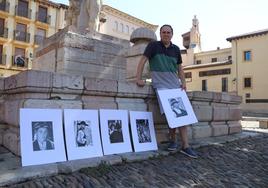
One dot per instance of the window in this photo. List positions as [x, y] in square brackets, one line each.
[188, 74]
[247, 56]
[22, 8]
[19, 57]
[247, 82]
[1, 55]
[42, 14]
[127, 29]
[204, 85]
[214, 59]
[247, 95]
[224, 84]
[20, 32]
[2, 27]
[121, 27]
[198, 62]
[229, 57]
[214, 72]
[116, 25]
[40, 36]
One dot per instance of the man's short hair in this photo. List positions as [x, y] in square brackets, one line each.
[166, 25]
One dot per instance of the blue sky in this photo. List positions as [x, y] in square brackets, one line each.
[218, 19]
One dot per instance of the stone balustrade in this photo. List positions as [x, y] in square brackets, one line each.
[217, 113]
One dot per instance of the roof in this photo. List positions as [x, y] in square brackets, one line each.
[214, 64]
[247, 35]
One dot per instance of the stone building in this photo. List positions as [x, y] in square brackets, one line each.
[25, 23]
[239, 69]
[23, 26]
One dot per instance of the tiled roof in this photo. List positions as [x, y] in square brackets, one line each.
[246, 35]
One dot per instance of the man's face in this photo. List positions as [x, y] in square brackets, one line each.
[166, 34]
[42, 134]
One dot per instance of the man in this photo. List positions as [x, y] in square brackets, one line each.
[41, 141]
[165, 67]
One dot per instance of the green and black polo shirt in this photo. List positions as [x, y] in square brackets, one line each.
[164, 64]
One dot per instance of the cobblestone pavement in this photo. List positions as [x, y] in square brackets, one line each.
[242, 163]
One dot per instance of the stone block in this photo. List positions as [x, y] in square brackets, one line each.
[33, 81]
[130, 89]
[99, 102]
[67, 84]
[11, 140]
[154, 108]
[235, 113]
[219, 130]
[231, 99]
[234, 127]
[201, 131]
[220, 113]
[1, 85]
[2, 112]
[202, 96]
[162, 135]
[46, 62]
[131, 104]
[263, 124]
[53, 104]
[11, 111]
[138, 156]
[203, 112]
[100, 86]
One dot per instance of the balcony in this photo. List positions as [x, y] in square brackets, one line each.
[4, 6]
[2, 59]
[21, 36]
[19, 61]
[26, 13]
[42, 18]
[38, 39]
[4, 33]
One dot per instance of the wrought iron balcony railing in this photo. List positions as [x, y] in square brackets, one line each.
[2, 59]
[43, 18]
[4, 6]
[19, 61]
[4, 32]
[19, 11]
[22, 36]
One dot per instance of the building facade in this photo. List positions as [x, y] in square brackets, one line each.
[118, 24]
[23, 25]
[240, 69]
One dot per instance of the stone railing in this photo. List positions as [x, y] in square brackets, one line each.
[218, 113]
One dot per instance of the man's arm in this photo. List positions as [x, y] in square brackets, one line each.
[140, 68]
[181, 76]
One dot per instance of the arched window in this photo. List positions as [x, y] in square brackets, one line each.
[127, 29]
[121, 27]
[116, 25]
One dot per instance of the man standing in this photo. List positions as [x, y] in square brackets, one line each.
[167, 73]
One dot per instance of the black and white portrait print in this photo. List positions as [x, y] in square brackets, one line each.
[177, 107]
[143, 130]
[42, 132]
[83, 133]
[115, 131]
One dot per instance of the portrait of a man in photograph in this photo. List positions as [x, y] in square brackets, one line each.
[42, 135]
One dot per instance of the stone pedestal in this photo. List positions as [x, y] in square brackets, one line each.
[70, 53]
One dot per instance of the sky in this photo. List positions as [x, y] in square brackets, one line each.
[218, 19]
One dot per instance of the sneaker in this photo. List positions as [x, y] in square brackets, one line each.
[189, 152]
[172, 146]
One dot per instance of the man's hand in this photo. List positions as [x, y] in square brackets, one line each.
[140, 83]
[183, 86]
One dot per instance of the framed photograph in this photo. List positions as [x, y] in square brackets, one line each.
[143, 132]
[115, 131]
[41, 136]
[82, 134]
[177, 107]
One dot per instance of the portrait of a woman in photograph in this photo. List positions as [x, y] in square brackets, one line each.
[143, 130]
[177, 107]
[42, 136]
[83, 133]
